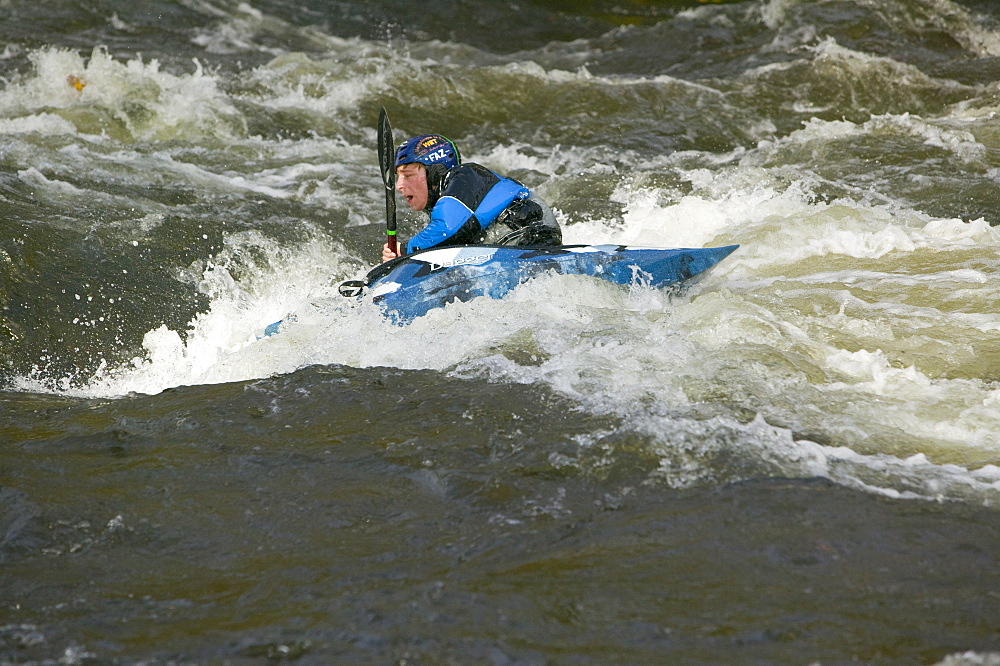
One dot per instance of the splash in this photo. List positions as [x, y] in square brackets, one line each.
[220, 344]
[129, 101]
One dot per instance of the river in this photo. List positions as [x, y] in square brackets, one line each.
[795, 461]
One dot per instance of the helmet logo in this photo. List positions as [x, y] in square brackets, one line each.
[424, 148]
[437, 155]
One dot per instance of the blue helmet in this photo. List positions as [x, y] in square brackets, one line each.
[429, 149]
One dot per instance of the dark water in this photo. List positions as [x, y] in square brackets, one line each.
[797, 461]
[277, 519]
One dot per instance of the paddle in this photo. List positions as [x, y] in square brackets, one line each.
[385, 162]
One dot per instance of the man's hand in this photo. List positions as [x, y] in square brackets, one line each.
[388, 254]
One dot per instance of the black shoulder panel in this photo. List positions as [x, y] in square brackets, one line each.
[469, 183]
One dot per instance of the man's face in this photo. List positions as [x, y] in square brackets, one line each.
[411, 181]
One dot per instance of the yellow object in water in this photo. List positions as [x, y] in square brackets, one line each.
[76, 82]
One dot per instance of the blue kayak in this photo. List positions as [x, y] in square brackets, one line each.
[412, 285]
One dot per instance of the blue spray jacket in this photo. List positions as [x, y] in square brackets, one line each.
[471, 198]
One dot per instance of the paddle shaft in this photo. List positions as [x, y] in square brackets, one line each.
[385, 162]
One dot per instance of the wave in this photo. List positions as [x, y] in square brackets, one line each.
[158, 215]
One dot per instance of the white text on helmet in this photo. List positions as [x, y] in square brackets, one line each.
[437, 155]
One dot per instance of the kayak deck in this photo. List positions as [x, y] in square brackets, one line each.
[410, 286]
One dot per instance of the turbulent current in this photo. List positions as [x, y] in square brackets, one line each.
[797, 460]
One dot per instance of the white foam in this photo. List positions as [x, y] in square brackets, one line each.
[171, 106]
[244, 28]
[44, 123]
[222, 345]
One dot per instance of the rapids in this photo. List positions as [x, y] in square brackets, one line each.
[176, 176]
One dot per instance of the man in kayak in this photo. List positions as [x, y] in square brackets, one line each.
[467, 203]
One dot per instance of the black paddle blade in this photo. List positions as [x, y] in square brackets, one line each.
[385, 150]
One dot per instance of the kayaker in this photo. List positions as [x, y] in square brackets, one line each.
[467, 203]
